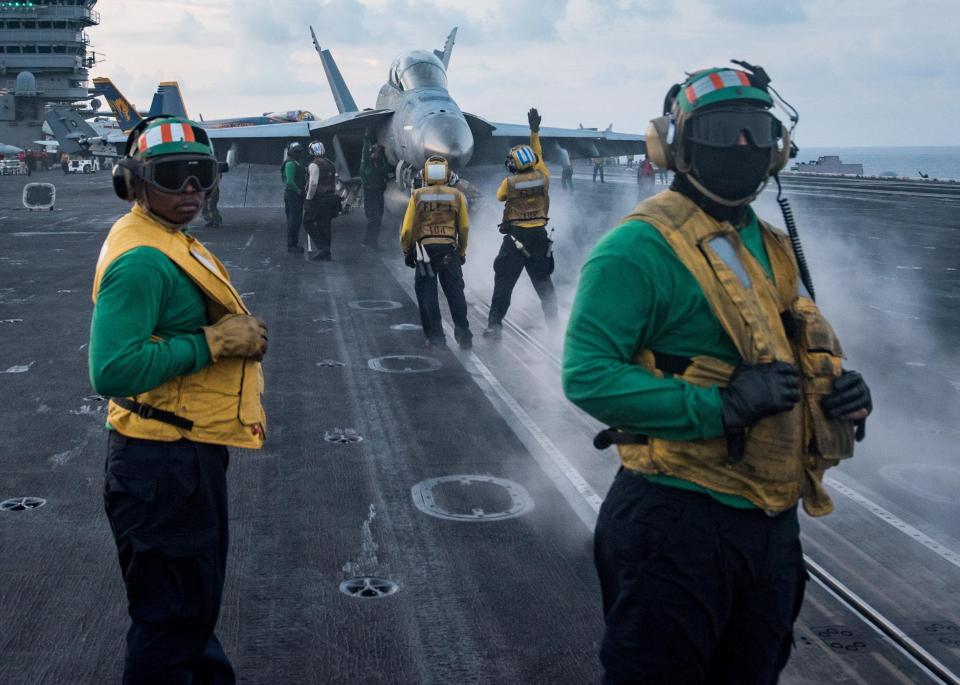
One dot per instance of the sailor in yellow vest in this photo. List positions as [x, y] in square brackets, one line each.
[174, 347]
[526, 244]
[434, 242]
[695, 336]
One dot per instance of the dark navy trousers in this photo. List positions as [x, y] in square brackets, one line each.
[694, 591]
[167, 507]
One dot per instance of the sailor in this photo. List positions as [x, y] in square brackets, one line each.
[566, 175]
[597, 168]
[294, 187]
[374, 174]
[526, 244]
[322, 204]
[434, 242]
[211, 212]
[176, 350]
[694, 335]
[646, 178]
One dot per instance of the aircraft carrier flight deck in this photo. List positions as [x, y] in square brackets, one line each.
[462, 485]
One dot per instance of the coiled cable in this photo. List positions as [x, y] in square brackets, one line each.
[794, 239]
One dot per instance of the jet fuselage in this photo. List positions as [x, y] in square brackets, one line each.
[427, 120]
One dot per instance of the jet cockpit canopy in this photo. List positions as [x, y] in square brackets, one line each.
[418, 69]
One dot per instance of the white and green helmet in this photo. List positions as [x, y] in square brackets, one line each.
[172, 136]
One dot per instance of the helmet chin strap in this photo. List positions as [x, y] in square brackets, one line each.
[722, 200]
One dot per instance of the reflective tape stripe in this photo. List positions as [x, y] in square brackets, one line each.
[715, 81]
[524, 185]
[725, 250]
[165, 133]
[434, 197]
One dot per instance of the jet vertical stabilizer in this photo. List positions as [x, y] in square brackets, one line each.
[341, 94]
[169, 101]
[444, 55]
[127, 115]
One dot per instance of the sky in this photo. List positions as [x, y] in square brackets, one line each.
[860, 72]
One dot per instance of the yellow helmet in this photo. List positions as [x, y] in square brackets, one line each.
[520, 158]
[436, 171]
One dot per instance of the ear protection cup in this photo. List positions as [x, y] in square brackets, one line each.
[125, 171]
[659, 151]
[780, 157]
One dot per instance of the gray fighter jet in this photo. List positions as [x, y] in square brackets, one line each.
[416, 117]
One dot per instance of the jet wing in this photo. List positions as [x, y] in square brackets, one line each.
[493, 140]
[265, 143]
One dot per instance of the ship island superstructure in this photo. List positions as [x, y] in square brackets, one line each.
[45, 58]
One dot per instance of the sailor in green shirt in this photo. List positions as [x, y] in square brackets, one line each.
[683, 338]
[294, 189]
[374, 174]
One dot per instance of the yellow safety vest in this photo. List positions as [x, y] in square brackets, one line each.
[785, 455]
[223, 399]
[528, 199]
[436, 210]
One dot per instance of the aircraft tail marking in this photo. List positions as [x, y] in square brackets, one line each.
[127, 116]
[341, 94]
[444, 55]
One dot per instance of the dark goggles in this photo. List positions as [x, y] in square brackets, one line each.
[172, 174]
[722, 127]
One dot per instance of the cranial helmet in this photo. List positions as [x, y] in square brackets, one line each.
[520, 158]
[316, 148]
[166, 152]
[708, 112]
[703, 119]
[436, 171]
[294, 150]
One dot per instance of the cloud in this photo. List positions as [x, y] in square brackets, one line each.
[759, 12]
[856, 70]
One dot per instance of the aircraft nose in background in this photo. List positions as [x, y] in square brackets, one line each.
[447, 135]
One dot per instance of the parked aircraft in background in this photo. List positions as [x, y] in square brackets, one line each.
[169, 100]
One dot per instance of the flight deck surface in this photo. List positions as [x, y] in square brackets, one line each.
[465, 479]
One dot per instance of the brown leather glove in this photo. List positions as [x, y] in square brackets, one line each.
[237, 335]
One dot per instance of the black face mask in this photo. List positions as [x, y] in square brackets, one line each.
[732, 173]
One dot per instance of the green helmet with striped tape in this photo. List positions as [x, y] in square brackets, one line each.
[172, 136]
[712, 86]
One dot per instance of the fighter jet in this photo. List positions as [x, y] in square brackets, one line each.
[415, 117]
[169, 100]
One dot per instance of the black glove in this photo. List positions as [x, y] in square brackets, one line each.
[533, 117]
[850, 394]
[463, 259]
[410, 259]
[756, 391]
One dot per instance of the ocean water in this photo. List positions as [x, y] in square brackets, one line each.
[937, 162]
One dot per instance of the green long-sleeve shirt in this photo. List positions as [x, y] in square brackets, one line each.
[373, 176]
[635, 293]
[143, 294]
[294, 177]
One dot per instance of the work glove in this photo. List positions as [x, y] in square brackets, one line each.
[410, 259]
[533, 117]
[463, 259]
[237, 335]
[850, 396]
[756, 391]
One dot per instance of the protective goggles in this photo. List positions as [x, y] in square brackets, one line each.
[722, 127]
[172, 174]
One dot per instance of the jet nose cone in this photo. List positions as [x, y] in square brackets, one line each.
[449, 136]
